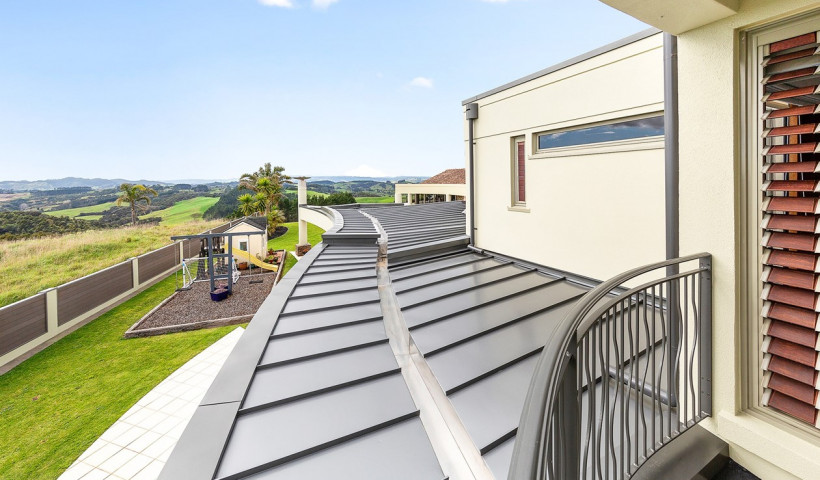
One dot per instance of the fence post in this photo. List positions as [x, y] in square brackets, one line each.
[52, 320]
[135, 272]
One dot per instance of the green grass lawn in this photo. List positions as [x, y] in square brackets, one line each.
[374, 199]
[74, 212]
[183, 211]
[28, 266]
[57, 403]
[288, 241]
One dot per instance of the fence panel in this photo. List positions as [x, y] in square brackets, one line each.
[152, 264]
[191, 247]
[22, 322]
[77, 297]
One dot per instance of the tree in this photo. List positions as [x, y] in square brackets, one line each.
[133, 195]
[248, 205]
[275, 218]
[249, 181]
[267, 184]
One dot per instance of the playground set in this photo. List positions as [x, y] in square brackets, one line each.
[218, 266]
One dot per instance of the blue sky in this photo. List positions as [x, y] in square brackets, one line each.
[213, 88]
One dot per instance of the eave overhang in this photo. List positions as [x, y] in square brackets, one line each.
[674, 16]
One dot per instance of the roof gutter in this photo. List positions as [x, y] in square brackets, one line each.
[471, 114]
[671, 148]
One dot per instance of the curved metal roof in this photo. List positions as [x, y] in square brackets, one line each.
[409, 358]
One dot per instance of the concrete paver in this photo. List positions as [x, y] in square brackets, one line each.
[137, 445]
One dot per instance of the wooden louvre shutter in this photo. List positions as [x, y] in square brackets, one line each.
[791, 231]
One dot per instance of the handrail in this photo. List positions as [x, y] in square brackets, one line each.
[557, 383]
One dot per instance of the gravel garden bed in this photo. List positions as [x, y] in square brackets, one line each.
[193, 309]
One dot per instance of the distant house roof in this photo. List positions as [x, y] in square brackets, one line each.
[451, 176]
[259, 222]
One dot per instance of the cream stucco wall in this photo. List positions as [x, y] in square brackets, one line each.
[257, 244]
[316, 217]
[593, 211]
[709, 143]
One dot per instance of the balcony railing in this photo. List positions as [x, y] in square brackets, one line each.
[628, 370]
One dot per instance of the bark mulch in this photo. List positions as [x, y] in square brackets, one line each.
[192, 309]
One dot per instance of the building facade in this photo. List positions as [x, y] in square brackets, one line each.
[747, 93]
[446, 186]
[561, 163]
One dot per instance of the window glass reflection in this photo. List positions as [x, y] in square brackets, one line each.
[645, 127]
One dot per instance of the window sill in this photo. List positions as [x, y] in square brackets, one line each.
[518, 208]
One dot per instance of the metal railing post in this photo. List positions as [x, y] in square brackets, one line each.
[211, 263]
[550, 443]
[705, 293]
[570, 417]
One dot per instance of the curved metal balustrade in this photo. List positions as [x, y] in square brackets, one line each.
[627, 371]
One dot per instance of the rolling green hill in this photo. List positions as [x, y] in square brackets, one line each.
[183, 211]
[76, 212]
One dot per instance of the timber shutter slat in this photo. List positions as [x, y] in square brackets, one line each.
[789, 184]
[793, 333]
[791, 167]
[792, 278]
[798, 260]
[798, 41]
[792, 351]
[793, 370]
[797, 316]
[787, 386]
[792, 204]
[796, 408]
[791, 222]
[794, 241]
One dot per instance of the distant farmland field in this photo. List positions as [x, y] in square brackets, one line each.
[75, 212]
[183, 211]
[374, 199]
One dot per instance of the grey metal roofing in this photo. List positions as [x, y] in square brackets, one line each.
[412, 364]
[566, 63]
[258, 221]
[413, 226]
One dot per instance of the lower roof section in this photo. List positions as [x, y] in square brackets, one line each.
[320, 385]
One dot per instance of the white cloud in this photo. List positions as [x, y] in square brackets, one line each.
[422, 82]
[277, 3]
[322, 4]
[366, 171]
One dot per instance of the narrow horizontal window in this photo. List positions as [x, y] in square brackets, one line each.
[644, 127]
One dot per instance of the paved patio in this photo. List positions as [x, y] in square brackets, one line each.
[138, 444]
